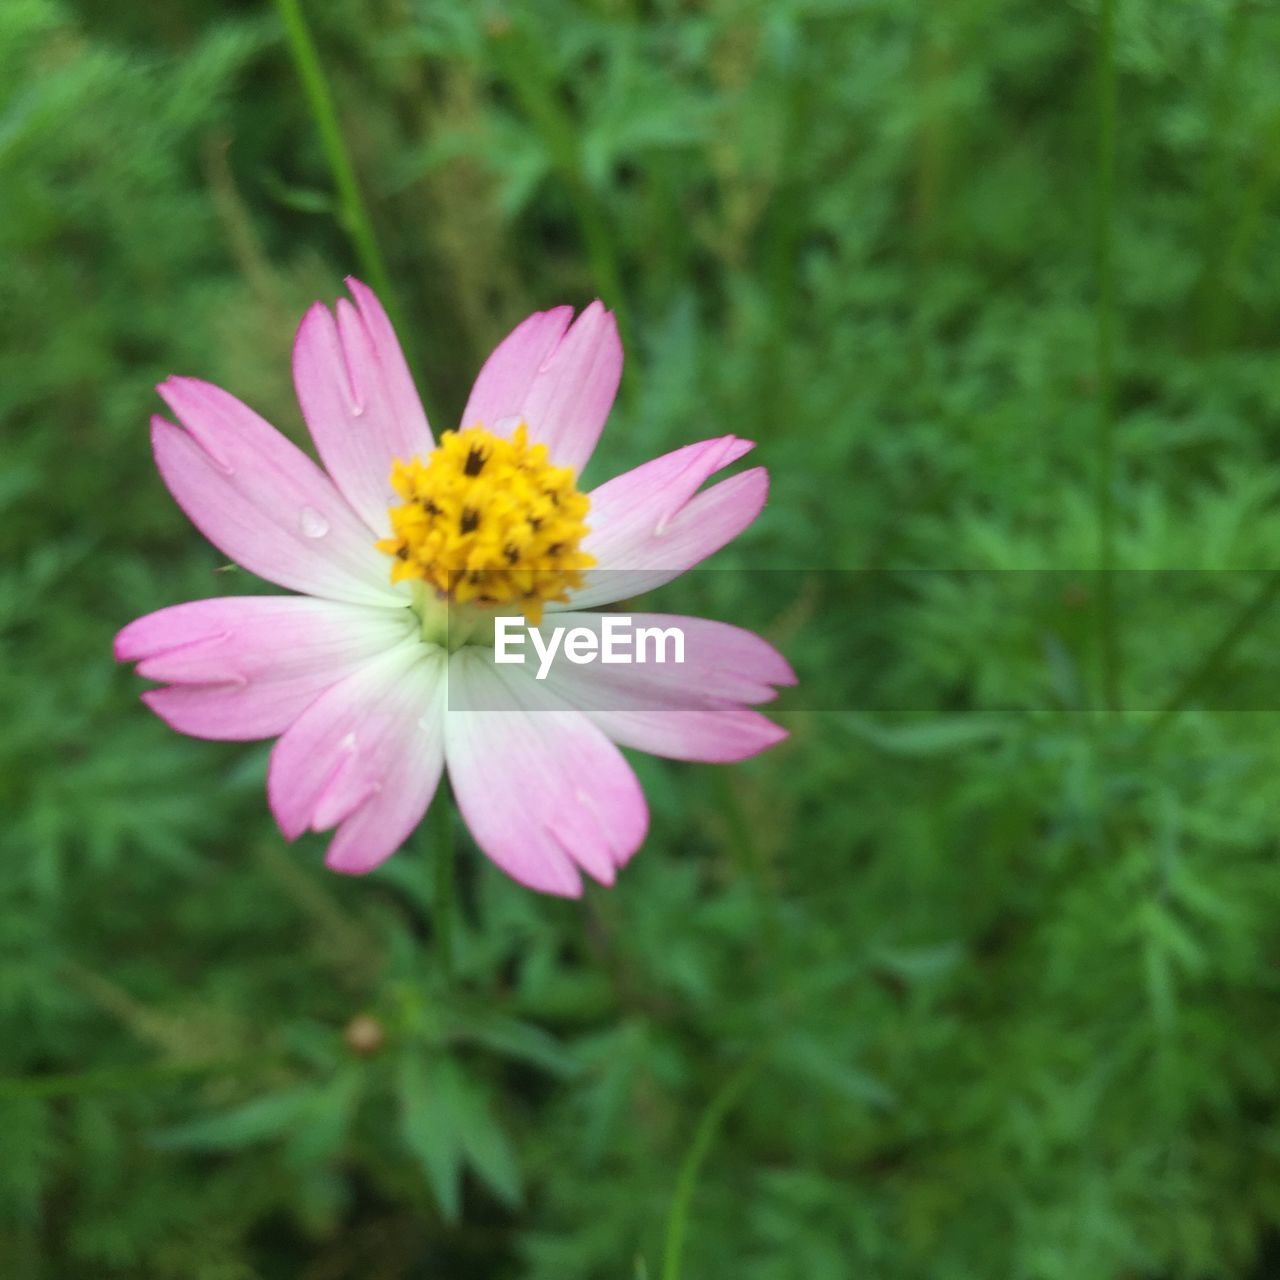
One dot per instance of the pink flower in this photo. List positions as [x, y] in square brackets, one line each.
[361, 676]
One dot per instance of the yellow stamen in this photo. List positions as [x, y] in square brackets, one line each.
[489, 521]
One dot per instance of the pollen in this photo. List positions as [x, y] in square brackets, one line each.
[489, 521]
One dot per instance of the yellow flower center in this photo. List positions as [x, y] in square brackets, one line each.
[489, 521]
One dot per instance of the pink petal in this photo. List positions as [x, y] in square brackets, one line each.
[689, 710]
[504, 380]
[542, 789]
[262, 501]
[365, 757]
[651, 524]
[713, 737]
[561, 384]
[359, 401]
[246, 667]
[722, 665]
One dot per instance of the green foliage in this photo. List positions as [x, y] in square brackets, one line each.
[1006, 981]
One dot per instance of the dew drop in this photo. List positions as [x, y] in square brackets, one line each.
[312, 523]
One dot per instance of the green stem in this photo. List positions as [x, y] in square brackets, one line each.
[441, 850]
[708, 1126]
[1104, 493]
[353, 213]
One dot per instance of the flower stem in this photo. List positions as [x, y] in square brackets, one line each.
[709, 1124]
[443, 898]
[1104, 493]
[353, 213]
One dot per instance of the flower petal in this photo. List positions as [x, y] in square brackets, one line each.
[689, 710]
[245, 667]
[719, 665]
[365, 757]
[505, 377]
[259, 499]
[650, 524]
[542, 789]
[561, 384]
[359, 401]
[712, 737]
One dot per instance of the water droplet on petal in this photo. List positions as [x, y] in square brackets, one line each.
[312, 523]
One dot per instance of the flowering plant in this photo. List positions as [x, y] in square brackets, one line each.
[382, 673]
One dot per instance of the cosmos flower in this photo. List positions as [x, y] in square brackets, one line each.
[381, 673]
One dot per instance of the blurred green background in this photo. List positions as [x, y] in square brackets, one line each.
[927, 997]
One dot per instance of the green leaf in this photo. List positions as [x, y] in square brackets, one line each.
[931, 737]
[818, 1064]
[488, 1151]
[515, 1039]
[323, 1130]
[258, 1120]
[430, 1128]
[302, 199]
[919, 964]
[446, 1121]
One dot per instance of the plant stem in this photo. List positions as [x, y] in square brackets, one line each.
[708, 1125]
[441, 849]
[353, 213]
[1104, 493]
